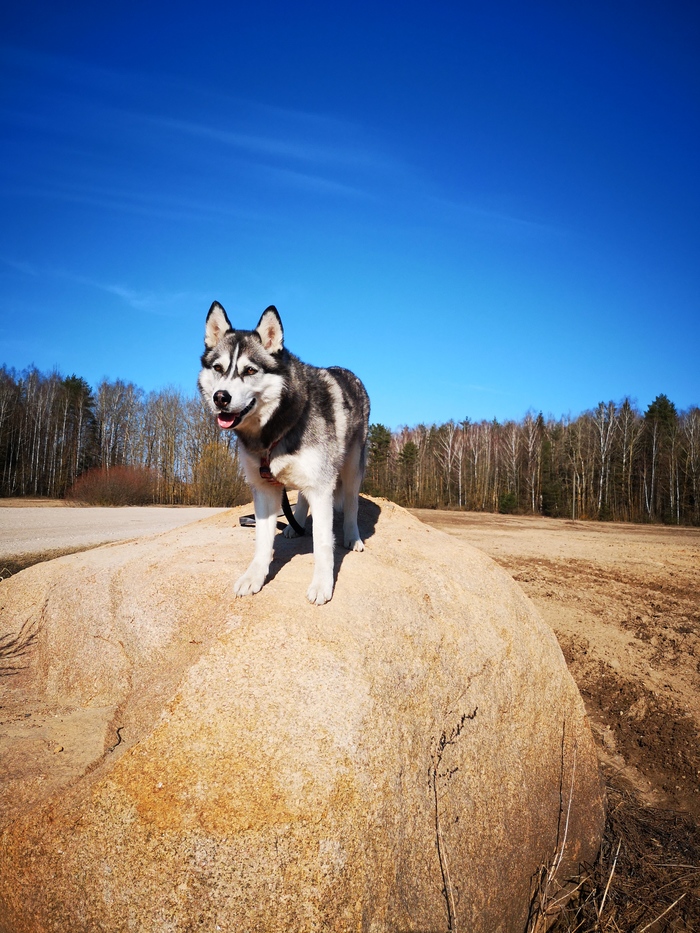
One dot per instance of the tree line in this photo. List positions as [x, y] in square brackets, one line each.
[613, 462]
[54, 430]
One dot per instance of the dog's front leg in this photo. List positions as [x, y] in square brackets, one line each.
[321, 588]
[267, 505]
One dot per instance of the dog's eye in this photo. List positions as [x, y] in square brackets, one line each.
[218, 368]
[249, 371]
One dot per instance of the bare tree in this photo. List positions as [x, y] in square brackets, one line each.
[532, 431]
[605, 420]
[117, 408]
[691, 444]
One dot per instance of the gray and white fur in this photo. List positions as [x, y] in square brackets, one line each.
[310, 424]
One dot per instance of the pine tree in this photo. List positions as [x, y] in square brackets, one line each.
[377, 482]
[660, 464]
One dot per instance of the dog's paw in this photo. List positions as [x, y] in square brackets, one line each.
[319, 592]
[251, 582]
[354, 544]
[289, 532]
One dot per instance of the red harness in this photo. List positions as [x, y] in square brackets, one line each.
[266, 472]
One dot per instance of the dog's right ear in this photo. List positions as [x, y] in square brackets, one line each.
[217, 325]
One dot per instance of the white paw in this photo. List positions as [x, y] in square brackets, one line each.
[251, 581]
[289, 532]
[319, 592]
[354, 544]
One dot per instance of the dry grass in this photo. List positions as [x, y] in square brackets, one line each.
[646, 878]
[119, 485]
[14, 646]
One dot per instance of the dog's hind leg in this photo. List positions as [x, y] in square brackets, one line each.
[321, 588]
[267, 505]
[301, 510]
[351, 478]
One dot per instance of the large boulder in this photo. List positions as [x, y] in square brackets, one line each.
[412, 756]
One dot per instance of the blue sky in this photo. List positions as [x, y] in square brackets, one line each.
[479, 208]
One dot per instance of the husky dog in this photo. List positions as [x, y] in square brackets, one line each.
[298, 426]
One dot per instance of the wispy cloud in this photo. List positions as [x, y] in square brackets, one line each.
[150, 302]
[488, 219]
[315, 183]
[323, 154]
[221, 150]
[26, 268]
[472, 387]
[145, 203]
[143, 300]
[259, 145]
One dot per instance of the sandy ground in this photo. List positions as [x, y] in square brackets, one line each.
[624, 602]
[36, 530]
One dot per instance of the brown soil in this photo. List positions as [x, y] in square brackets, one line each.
[624, 602]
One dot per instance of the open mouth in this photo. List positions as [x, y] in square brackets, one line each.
[231, 419]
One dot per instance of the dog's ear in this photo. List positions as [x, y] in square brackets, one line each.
[270, 330]
[217, 325]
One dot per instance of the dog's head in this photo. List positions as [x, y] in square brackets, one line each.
[241, 380]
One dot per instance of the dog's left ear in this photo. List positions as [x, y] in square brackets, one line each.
[270, 330]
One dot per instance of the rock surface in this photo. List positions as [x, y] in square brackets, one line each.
[405, 758]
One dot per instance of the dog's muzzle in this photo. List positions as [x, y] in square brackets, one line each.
[229, 419]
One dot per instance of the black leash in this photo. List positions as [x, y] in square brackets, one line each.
[267, 474]
[287, 509]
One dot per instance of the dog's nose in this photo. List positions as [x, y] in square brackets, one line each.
[221, 399]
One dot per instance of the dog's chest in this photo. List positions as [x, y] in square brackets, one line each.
[304, 469]
[299, 470]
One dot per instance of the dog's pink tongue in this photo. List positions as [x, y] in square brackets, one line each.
[225, 420]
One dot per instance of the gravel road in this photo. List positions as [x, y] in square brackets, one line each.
[36, 530]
